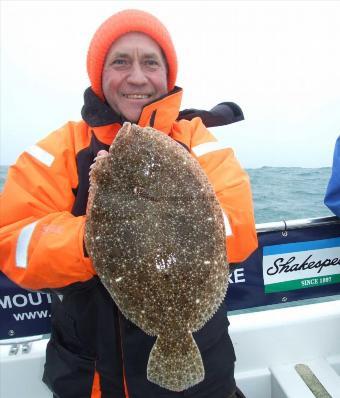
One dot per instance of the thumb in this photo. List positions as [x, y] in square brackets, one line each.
[102, 152]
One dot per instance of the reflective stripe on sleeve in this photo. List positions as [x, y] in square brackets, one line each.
[228, 231]
[21, 254]
[41, 155]
[202, 149]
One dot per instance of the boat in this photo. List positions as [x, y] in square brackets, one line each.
[283, 307]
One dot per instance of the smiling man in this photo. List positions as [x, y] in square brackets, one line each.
[94, 351]
[134, 74]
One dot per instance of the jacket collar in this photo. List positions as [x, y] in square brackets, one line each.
[159, 114]
[97, 113]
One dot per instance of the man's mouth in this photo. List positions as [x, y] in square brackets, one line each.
[137, 96]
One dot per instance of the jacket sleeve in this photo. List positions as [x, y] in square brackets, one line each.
[41, 242]
[231, 184]
[332, 197]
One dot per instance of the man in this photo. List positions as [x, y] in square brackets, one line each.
[332, 197]
[94, 351]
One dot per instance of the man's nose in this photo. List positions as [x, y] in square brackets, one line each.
[136, 75]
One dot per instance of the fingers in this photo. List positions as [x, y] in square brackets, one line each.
[102, 154]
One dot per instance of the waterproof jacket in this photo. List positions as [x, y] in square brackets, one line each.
[93, 350]
[332, 197]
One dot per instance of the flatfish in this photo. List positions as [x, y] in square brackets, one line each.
[155, 233]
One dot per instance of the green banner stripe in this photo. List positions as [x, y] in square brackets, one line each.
[302, 283]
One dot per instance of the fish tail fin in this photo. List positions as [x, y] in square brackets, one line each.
[175, 364]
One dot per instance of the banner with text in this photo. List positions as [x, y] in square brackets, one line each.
[23, 313]
[301, 265]
[298, 264]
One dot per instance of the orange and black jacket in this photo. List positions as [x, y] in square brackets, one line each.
[94, 351]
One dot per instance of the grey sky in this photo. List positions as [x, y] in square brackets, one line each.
[280, 61]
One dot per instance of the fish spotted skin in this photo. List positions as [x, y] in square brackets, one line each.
[155, 233]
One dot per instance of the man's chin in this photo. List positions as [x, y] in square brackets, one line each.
[132, 117]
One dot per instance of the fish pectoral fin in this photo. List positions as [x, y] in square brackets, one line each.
[175, 364]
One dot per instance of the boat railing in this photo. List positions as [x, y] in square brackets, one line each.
[294, 224]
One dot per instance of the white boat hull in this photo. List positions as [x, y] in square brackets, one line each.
[268, 345]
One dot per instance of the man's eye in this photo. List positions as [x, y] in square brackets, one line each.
[119, 62]
[151, 62]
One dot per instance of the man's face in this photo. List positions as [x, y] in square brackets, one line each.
[134, 74]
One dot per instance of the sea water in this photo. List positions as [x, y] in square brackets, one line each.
[279, 193]
[289, 193]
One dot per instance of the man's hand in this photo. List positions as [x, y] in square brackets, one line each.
[100, 155]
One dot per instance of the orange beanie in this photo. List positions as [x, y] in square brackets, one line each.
[117, 25]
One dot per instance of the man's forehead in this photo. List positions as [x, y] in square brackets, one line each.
[128, 52]
[135, 41]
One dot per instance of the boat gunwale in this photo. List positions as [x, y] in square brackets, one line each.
[286, 225]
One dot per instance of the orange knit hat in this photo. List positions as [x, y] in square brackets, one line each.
[117, 25]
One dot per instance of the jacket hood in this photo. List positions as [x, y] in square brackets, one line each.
[97, 113]
[162, 112]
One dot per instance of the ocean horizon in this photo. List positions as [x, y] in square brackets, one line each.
[279, 193]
